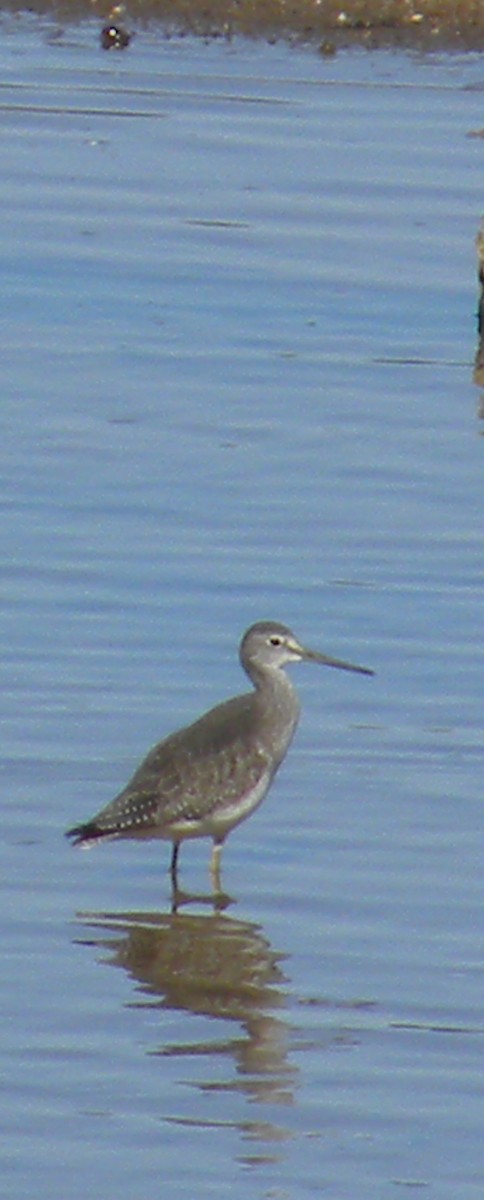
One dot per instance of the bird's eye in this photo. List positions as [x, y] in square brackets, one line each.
[275, 640]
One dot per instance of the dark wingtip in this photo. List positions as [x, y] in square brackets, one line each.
[81, 834]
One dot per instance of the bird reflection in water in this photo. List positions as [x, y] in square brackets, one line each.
[215, 966]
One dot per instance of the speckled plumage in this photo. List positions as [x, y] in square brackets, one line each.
[204, 779]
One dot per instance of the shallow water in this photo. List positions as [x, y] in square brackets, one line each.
[238, 348]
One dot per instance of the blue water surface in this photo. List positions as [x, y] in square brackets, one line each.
[238, 332]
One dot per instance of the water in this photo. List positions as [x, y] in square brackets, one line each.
[237, 343]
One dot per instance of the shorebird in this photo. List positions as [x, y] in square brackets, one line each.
[208, 777]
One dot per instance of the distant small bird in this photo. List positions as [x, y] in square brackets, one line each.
[205, 779]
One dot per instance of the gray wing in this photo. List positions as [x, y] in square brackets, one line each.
[191, 774]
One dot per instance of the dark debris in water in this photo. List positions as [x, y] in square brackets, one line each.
[329, 24]
[114, 37]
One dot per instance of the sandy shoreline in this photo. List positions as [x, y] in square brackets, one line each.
[330, 25]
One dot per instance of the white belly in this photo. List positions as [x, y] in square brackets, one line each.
[218, 823]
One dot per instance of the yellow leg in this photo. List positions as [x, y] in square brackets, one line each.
[215, 866]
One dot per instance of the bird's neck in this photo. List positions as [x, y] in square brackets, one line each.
[278, 705]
